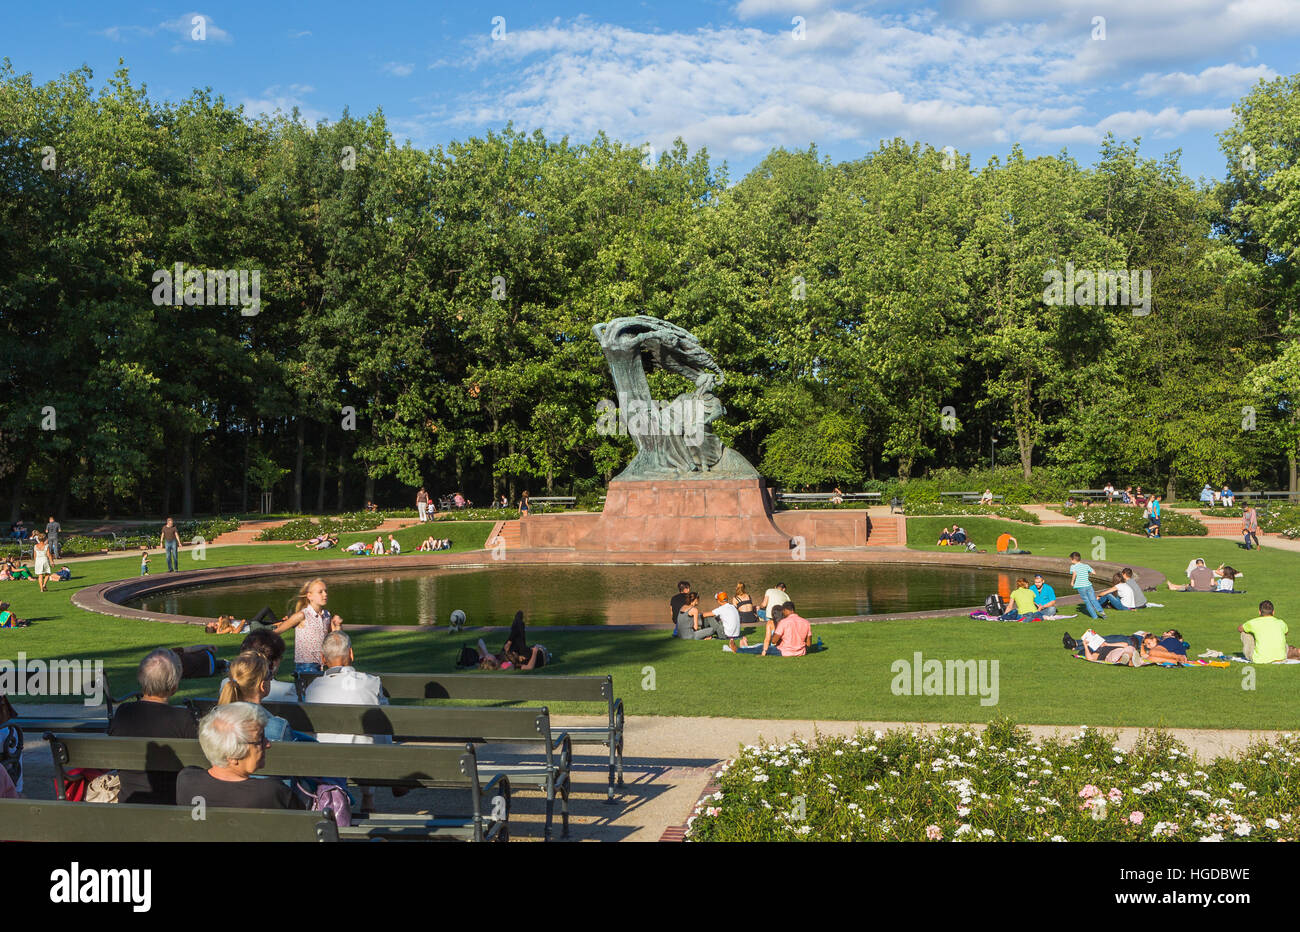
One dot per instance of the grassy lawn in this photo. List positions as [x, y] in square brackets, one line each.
[654, 674]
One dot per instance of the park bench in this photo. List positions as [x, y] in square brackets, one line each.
[79, 719]
[369, 764]
[1090, 493]
[47, 820]
[969, 498]
[522, 687]
[564, 501]
[443, 725]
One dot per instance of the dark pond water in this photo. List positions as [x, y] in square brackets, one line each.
[596, 595]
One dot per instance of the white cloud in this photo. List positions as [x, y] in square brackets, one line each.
[750, 9]
[398, 69]
[1217, 81]
[276, 98]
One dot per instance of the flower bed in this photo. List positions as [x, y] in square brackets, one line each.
[960, 785]
[1129, 518]
[306, 528]
[1283, 519]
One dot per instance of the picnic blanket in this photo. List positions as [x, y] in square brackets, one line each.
[985, 616]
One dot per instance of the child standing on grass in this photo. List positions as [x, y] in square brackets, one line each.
[1079, 573]
[144, 561]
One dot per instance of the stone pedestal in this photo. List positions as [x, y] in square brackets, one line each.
[684, 516]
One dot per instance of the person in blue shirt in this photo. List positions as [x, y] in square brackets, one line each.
[1207, 495]
[1044, 596]
[1079, 573]
[1227, 496]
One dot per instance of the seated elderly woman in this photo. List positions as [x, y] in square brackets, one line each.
[233, 738]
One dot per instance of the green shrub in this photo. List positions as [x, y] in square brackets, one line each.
[1009, 512]
[1129, 518]
[305, 528]
[959, 785]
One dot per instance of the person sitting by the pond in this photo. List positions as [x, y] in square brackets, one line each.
[1207, 495]
[677, 601]
[771, 599]
[1263, 639]
[1200, 579]
[377, 548]
[790, 636]
[745, 606]
[1008, 544]
[9, 620]
[393, 546]
[1227, 496]
[357, 548]
[516, 648]
[730, 618]
[1044, 597]
[945, 537]
[1119, 595]
[958, 535]
[1224, 578]
[1023, 607]
[837, 496]
[64, 574]
[692, 625]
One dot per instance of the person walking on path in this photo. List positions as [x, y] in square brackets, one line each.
[41, 560]
[52, 535]
[1250, 526]
[171, 543]
[422, 504]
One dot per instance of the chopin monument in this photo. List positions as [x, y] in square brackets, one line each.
[685, 496]
[684, 491]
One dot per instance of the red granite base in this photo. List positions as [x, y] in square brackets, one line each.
[694, 516]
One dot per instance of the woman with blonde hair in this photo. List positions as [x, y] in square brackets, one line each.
[250, 681]
[314, 621]
[745, 605]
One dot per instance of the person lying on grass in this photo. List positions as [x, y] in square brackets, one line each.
[321, 542]
[1263, 639]
[1155, 650]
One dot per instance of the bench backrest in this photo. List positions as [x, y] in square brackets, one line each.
[55, 820]
[425, 723]
[380, 763]
[523, 687]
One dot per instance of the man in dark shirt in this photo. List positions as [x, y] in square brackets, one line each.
[680, 599]
[52, 537]
[170, 541]
[152, 717]
[233, 738]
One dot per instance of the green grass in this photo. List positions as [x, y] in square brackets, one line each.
[1038, 681]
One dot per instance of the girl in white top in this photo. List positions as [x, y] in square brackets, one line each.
[313, 621]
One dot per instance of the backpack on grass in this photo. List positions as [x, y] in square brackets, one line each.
[468, 657]
[994, 605]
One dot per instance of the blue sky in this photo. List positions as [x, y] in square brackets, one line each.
[978, 75]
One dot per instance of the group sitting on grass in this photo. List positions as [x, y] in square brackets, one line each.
[376, 549]
[1200, 578]
[786, 633]
[956, 536]
[516, 654]
[430, 544]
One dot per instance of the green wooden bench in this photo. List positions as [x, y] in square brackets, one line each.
[441, 724]
[370, 764]
[46, 820]
[79, 717]
[520, 687]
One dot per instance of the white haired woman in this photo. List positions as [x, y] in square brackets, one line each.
[233, 738]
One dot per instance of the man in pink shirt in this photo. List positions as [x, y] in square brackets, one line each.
[793, 634]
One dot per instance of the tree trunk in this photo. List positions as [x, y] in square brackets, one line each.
[298, 465]
[324, 456]
[167, 481]
[187, 478]
[243, 489]
[339, 504]
[1291, 484]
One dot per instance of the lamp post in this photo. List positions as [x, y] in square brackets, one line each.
[992, 458]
